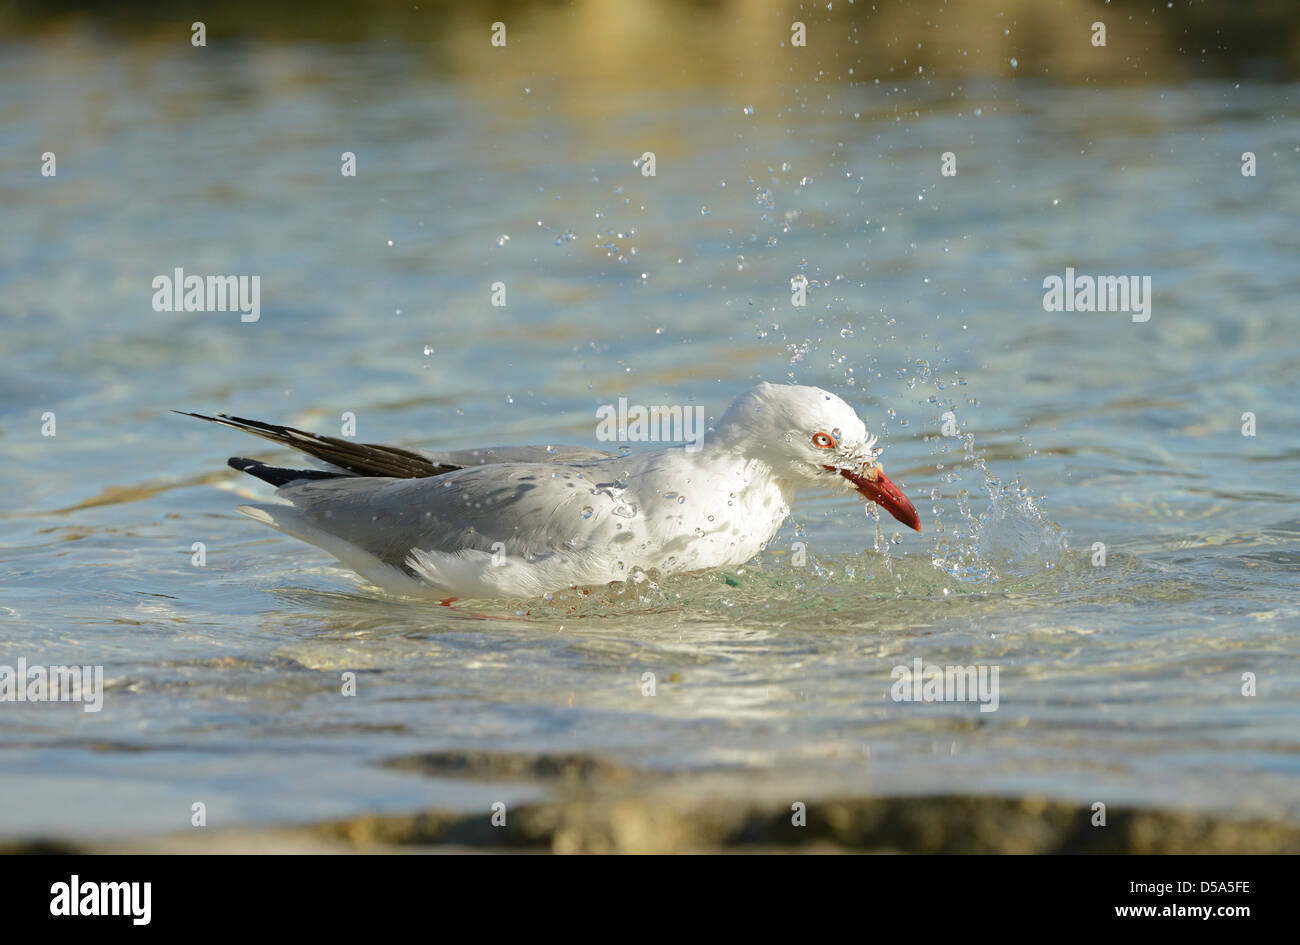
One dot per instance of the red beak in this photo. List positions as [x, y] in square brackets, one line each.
[885, 494]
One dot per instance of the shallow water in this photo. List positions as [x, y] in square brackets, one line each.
[1118, 683]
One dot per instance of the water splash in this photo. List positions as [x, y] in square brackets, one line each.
[1010, 538]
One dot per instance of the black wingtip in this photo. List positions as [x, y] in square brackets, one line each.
[359, 459]
[198, 416]
[278, 475]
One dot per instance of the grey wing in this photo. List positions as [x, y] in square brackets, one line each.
[531, 508]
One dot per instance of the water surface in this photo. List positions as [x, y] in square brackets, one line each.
[1120, 683]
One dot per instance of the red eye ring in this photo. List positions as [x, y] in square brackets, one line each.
[823, 441]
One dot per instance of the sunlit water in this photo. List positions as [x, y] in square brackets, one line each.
[1119, 683]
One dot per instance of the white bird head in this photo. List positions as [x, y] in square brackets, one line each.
[812, 438]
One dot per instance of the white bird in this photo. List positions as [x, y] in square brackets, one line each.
[525, 521]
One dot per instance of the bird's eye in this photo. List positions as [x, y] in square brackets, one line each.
[823, 441]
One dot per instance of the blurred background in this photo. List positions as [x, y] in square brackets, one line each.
[519, 164]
